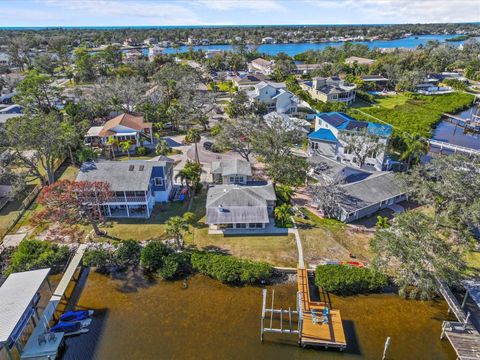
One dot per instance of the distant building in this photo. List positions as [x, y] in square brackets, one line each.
[150, 41]
[136, 185]
[4, 59]
[267, 40]
[327, 140]
[289, 122]
[154, 51]
[378, 80]
[359, 60]
[276, 96]
[132, 55]
[262, 66]
[330, 90]
[213, 52]
[130, 42]
[306, 68]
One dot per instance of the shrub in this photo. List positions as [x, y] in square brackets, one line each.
[347, 280]
[230, 269]
[189, 217]
[215, 130]
[97, 258]
[36, 254]
[151, 257]
[141, 151]
[365, 96]
[169, 267]
[128, 253]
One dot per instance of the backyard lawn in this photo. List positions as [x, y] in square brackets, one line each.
[327, 239]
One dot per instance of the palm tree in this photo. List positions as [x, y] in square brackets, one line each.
[176, 227]
[112, 143]
[283, 213]
[415, 148]
[125, 146]
[193, 136]
[284, 193]
[162, 147]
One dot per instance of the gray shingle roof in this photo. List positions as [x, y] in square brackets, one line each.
[132, 175]
[372, 190]
[232, 167]
[227, 204]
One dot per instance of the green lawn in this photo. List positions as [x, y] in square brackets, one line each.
[413, 113]
[389, 102]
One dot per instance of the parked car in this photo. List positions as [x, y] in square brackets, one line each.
[210, 146]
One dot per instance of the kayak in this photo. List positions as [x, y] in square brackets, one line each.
[70, 327]
[78, 315]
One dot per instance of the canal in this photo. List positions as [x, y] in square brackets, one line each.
[450, 133]
[138, 318]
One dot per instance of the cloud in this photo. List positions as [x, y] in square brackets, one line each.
[164, 13]
[258, 5]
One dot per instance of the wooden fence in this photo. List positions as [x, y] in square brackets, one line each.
[27, 202]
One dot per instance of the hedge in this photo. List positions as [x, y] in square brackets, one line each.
[349, 280]
[230, 269]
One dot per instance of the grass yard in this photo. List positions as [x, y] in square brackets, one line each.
[389, 102]
[324, 239]
[414, 113]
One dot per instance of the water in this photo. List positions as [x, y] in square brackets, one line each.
[293, 49]
[447, 132]
[138, 319]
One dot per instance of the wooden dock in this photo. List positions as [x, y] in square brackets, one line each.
[314, 332]
[468, 124]
[452, 147]
[463, 335]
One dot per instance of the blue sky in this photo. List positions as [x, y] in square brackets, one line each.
[232, 12]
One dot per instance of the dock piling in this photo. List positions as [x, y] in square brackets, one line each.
[385, 349]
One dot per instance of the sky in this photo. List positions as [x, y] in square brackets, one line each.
[233, 12]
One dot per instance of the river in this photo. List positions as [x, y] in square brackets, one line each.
[140, 319]
[296, 48]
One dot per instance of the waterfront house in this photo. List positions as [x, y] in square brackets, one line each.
[306, 68]
[363, 198]
[154, 51]
[132, 55]
[276, 96]
[261, 66]
[239, 208]
[235, 171]
[248, 81]
[136, 185]
[361, 192]
[212, 53]
[333, 128]
[267, 40]
[329, 90]
[358, 60]
[124, 127]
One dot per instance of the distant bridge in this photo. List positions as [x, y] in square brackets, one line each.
[455, 148]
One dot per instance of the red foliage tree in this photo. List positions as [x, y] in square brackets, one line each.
[70, 202]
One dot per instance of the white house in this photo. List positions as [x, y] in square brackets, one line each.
[331, 89]
[136, 185]
[261, 66]
[212, 53]
[289, 122]
[124, 127]
[331, 131]
[276, 96]
[153, 51]
[236, 171]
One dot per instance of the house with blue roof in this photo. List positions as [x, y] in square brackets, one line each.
[336, 136]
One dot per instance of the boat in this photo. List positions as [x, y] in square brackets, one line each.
[71, 328]
[72, 316]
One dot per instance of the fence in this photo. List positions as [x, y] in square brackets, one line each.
[27, 202]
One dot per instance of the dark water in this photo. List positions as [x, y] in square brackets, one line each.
[448, 132]
[293, 49]
[137, 319]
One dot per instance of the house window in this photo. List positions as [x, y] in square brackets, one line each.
[236, 179]
[314, 145]
[255, 225]
[158, 181]
[241, 226]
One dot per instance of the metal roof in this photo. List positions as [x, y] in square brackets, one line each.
[323, 134]
[228, 204]
[132, 175]
[16, 293]
[232, 167]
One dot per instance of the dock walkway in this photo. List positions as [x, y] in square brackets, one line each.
[463, 335]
